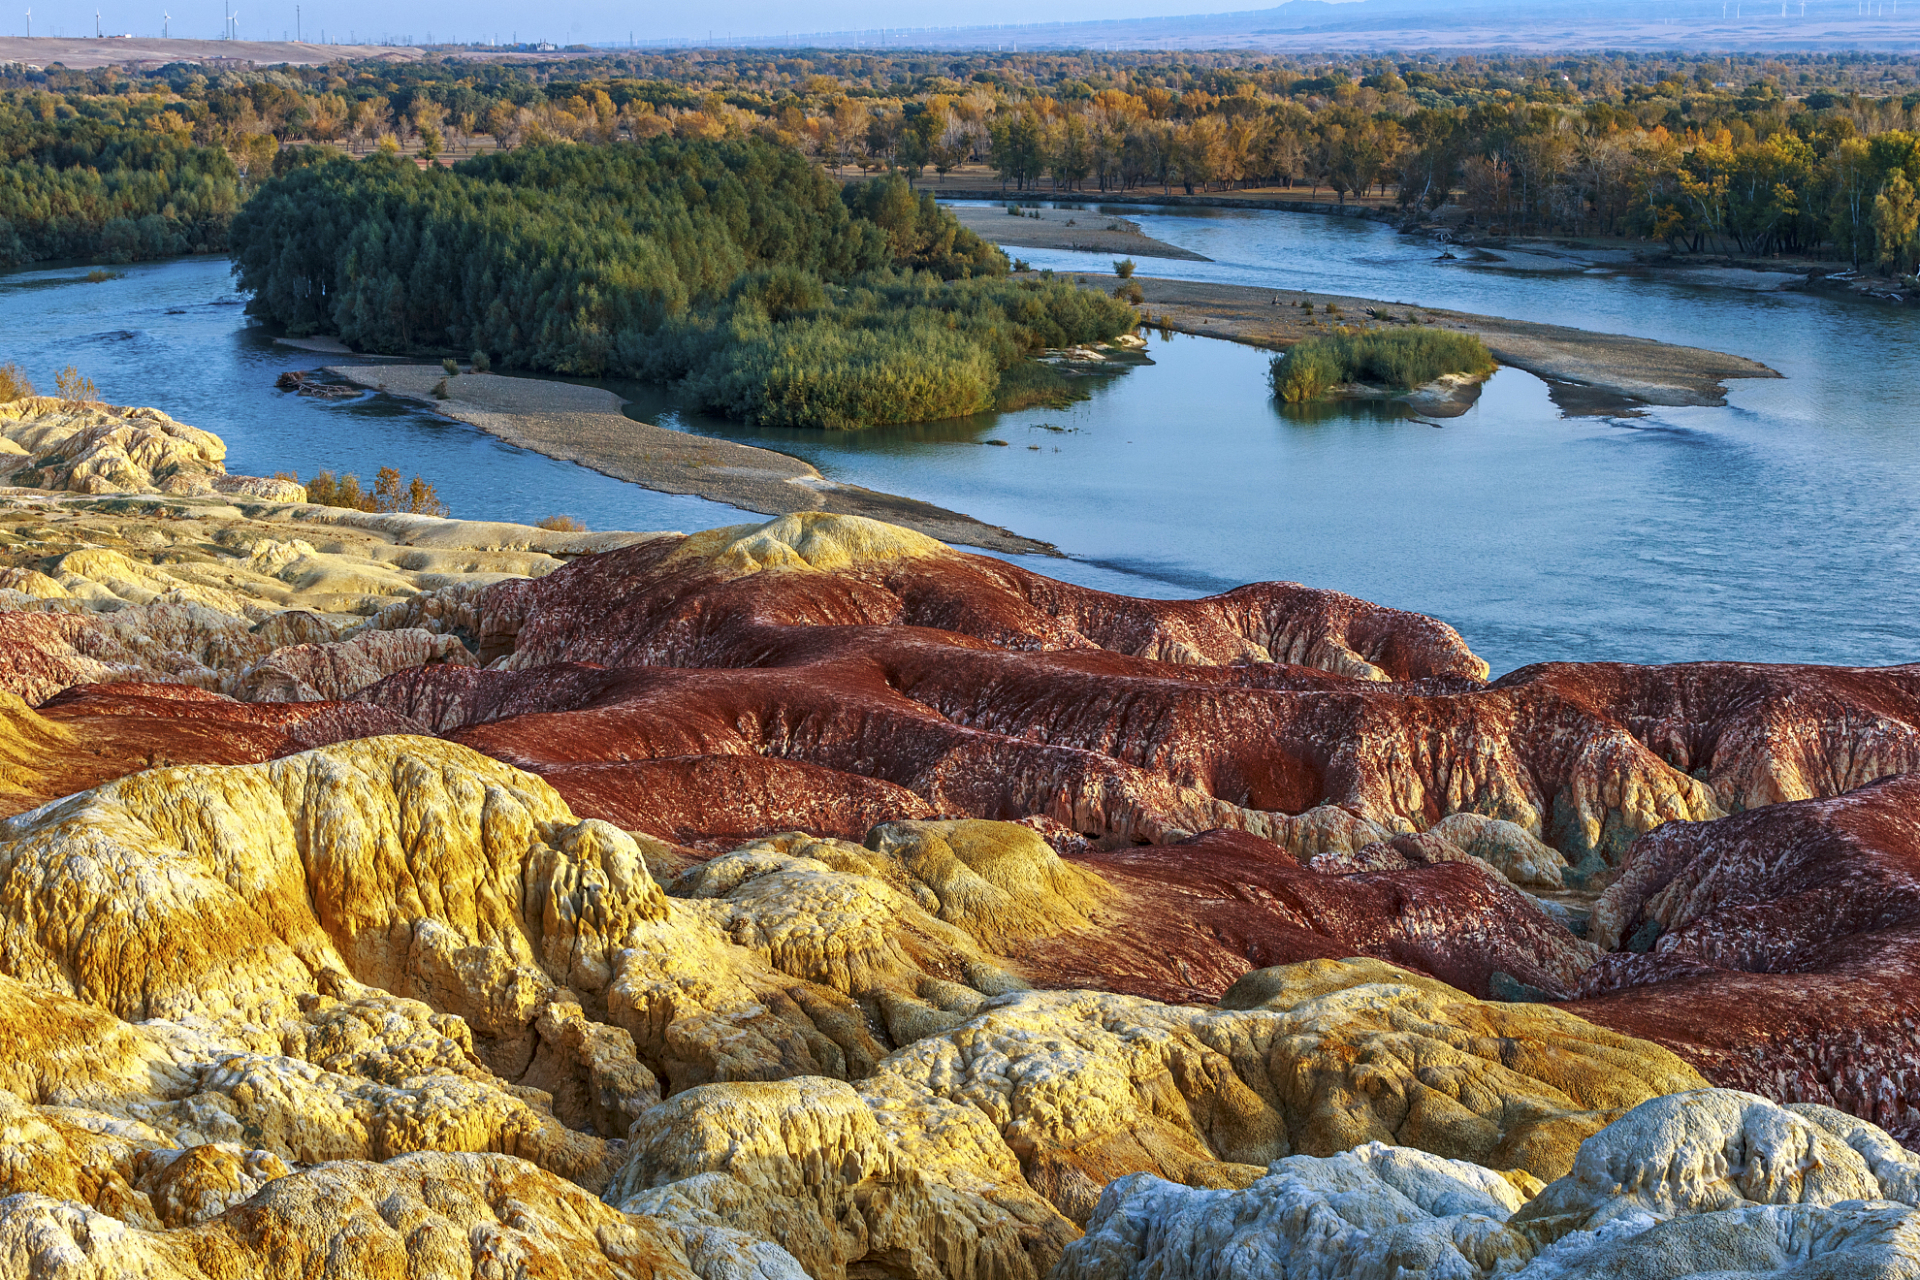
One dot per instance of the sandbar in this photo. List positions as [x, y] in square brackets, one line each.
[585, 425]
[1079, 229]
[1587, 374]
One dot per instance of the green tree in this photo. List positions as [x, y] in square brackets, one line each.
[1015, 150]
[1896, 218]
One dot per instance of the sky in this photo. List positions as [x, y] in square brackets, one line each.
[585, 21]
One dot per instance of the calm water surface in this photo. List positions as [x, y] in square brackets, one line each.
[173, 335]
[1782, 527]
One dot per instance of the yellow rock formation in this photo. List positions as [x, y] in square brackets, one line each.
[233, 991]
[808, 540]
[203, 589]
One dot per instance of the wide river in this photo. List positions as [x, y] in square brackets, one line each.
[1782, 527]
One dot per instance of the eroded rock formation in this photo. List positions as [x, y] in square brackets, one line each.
[398, 896]
[1713, 1183]
[243, 593]
[989, 691]
[1779, 949]
[218, 976]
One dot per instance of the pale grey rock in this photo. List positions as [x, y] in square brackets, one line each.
[1709, 1184]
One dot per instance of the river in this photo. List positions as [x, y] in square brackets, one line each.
[1782, 527]
[174, 335]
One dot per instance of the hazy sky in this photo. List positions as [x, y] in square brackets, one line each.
[584, 21]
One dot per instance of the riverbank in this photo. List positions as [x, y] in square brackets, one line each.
[981, 182]
[1066, 229]
[1586, 373]
[1709, 270]
[584, 425]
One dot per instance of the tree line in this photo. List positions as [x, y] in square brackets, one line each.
[1808, 154]
[103, 185]
[735, 268]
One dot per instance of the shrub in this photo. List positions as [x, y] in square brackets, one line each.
[440, 391]
[1130, 291]
[1123, 268]
[480, 362]
[1304, 373]
[14, 384]
[819, 374]
[1307, 306]
[328, 490]
[903, 348]
[100, 275]
[75, 389]
[560, 524]
[417, 496]
[1402, 359]
[451, 367]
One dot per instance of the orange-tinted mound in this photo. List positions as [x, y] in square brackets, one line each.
[719, 802]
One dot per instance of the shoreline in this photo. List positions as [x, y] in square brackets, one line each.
[1587, 374]
[1544, 252]
[1061, 229]
[977, 183]
[584, 425]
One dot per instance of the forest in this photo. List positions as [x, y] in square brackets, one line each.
[1814, 155]
[107, 180]
[737, 269]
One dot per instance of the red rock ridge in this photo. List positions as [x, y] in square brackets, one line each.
[1784, 950]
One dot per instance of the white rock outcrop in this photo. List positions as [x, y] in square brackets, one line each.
[1705, 1185]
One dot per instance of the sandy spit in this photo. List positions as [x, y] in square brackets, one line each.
[584, 425]
[1068, 229]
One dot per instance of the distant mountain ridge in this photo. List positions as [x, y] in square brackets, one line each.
[1407, 25]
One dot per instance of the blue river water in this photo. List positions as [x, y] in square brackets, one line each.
[1782, 527]
[174, 335]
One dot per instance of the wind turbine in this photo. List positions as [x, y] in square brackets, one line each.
[29, 22]
[166, 25]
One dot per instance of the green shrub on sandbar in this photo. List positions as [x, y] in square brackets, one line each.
[789, 351]
[817, 373]
[1400, 358]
